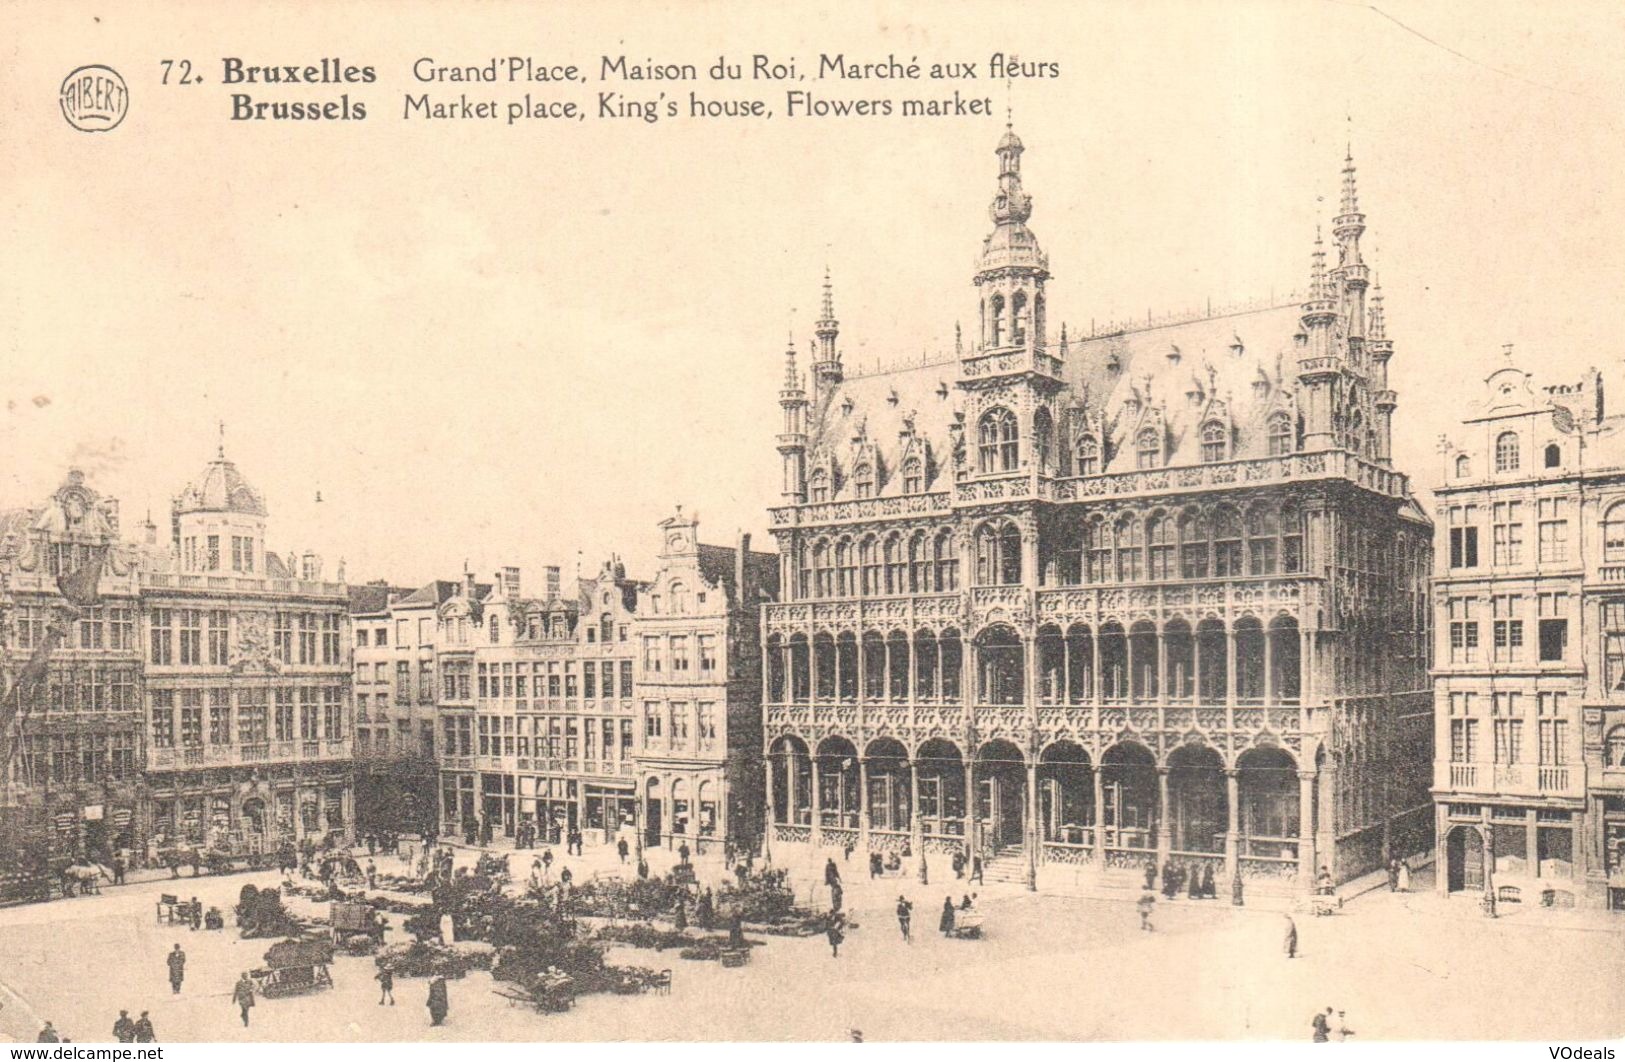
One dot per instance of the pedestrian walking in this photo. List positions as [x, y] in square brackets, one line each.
[1146, 902]
[119, 866]
[124, 1028]
[1322, 1026]
[439, 1001]
[946, 922]
[835, 935]
[48, 1035]
[176, 961]
[547, 860]
[1236, 899]
[1151, 874]
[905, 915]
[1342, 1032]
[621, 849]
[1393, 875]
[243, 996]
[1209, 890]
[835, 896]
[1404, 876]
[144, 1033]
[1291, 942]
[705, 911]
[197, 914]
[976, 870]
[386, 986]
[372, 875]
[832, 873]
[680, 919]
[958, 864]
[683, 854]
[1194, 889]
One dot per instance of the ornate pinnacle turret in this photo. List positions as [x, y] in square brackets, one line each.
[1351, 198]
[1377, 329]
[1317, 269]
[792, 379]
[827, 361]
[826, 321]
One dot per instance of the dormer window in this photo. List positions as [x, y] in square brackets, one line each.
[818, 487]
[1280, 435]
[1088, 462]
[1148, 449]
[863, 481]
[1214, 443]
[913, 479]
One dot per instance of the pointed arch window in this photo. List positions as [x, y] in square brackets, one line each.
[896, 573]
[1130, 550]
[1506, 452]
[869, 563]
[945, 555]
[1018, 318]
[1227, 557]
[1280, 435]
[1097, 551]
[913, 478]
[1193, 545]
[995, 321]
[919, 568]
[818, 487]
[1148, 449]
[846, 570]
[998, 555]
[997, 437]
[1214, 444]
[1159, 534]
[1263, 533]
[863, 481]
[1043, 433]
[1088, 460]
[823, 575]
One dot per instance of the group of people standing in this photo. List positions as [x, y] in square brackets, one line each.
[1192, 879]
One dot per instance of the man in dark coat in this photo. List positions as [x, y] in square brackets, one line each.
[48, 1035]
[118, 869]
[386, 985]
[976, 870]
[832, 873]
[836, 935]
[1322, 1026]
[905, 914]
[143, 1030]
[1209, 890]
[1151, 874]
[705, 911]
[177, 969]
[958, 864]
[124, 1028]
[621, 849]
[243, 996]
[946, 922]
[439, 1001]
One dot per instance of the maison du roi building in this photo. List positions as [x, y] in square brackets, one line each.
[204, 702]
[1080, 604]
[1529, 596]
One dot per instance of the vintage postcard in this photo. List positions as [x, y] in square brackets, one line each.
[812, 522]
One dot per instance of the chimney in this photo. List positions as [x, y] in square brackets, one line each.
[150, 530]
[510, 582]
[469, 590]
[553, 572]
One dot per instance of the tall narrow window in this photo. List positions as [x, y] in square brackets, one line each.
[913, 480]
[818, 487]
[1280, 435]
[998, 449]
[1214, 446]
[1506, 452]
[1148, 449]
[863, 481]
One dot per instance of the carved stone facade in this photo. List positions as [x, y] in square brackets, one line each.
[1163, 599]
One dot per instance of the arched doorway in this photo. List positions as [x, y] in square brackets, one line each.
[941, 770]
[1464, 856]
[1066, 794]
[1197, 812]
[1000, 667]
[1128, 774]
[792, 781]
[1001, 796]
[1267, 781]
[888, 796]
[838, 783]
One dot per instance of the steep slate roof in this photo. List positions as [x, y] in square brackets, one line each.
[717, 568]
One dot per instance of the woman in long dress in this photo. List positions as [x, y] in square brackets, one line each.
[946, 924]
[1404, 876]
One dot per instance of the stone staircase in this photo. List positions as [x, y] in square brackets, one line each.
[1008, 866]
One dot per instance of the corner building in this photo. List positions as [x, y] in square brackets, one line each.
[1152, 593]
[248, 742]
[1530, 681]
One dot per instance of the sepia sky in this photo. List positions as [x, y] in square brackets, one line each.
[506, 344]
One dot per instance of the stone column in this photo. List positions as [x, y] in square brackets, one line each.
[1032, 832]
[1099, 817]
[1306, 832]
[1232, 830]
[1165, 826]
[972, 826]
[817, 806]
[767, 819]
[863, 805]
[916, 829]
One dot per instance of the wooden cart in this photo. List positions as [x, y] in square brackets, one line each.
[294, 967]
